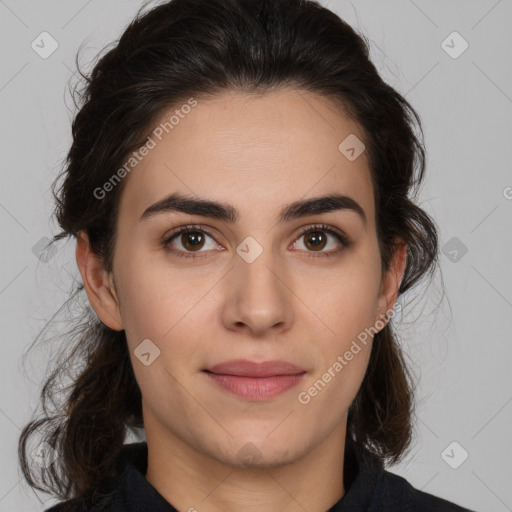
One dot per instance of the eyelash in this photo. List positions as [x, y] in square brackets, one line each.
[344, 241]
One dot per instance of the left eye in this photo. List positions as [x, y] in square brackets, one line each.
[192, 239]
[315, 238]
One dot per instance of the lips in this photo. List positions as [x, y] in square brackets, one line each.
[246, 368]
[254, 381]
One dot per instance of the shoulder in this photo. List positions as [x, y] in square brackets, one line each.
[110, 495]
[398, 494]
[100, 503]
[68, 506]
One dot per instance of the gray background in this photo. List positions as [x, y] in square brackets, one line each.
[459, 342]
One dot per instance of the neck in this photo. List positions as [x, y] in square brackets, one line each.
[192, 480]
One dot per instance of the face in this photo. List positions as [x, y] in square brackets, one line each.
[250, 285]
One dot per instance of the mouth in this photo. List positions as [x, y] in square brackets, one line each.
[255, 381]
[246, 368]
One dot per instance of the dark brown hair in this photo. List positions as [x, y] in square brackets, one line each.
[197, 48]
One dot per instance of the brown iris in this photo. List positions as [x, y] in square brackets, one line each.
[192, 240]
[317, 238]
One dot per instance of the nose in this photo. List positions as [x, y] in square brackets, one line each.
[258, 296]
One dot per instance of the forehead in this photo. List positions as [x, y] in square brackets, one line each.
[251, 151]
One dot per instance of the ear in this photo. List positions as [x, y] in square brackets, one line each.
[98, 284]
[391, 282]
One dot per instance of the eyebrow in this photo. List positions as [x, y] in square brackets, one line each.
[228, 213]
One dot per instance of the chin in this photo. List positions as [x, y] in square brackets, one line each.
[258, 453]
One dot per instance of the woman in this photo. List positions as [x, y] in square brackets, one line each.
[239, 186]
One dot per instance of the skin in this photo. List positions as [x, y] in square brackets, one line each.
[257, 154]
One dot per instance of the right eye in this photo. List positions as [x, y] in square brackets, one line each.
[191, 238]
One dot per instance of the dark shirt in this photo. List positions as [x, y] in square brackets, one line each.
[370, 489]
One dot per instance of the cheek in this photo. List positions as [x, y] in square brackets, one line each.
[166, 308]
[157, 298]
[346, 300]
[347, 308]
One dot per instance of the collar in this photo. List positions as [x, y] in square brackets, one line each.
[133, 493]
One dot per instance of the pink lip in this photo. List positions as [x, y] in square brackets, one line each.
[256, 381]
[246, 368]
